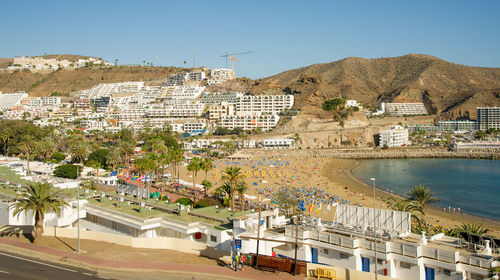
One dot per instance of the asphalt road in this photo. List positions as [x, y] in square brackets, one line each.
[17, 267]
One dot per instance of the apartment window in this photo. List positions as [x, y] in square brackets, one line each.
[325, 251]
[446, 272]
[405, 265]
[213, 238]
[380, 261]
[344, 256]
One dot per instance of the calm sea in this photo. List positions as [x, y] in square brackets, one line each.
[471, 184]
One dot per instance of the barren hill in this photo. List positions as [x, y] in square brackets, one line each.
[448, 89]
[68, 80]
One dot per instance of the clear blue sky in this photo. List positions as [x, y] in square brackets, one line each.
[282, 34]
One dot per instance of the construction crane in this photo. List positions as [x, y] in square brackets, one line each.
[231, 57]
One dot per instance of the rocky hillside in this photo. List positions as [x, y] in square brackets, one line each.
[449, 90]
[69, 80]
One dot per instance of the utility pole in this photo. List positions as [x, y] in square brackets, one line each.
[78, 211]
[374, 227]
[156, 61]
[258, 237]
[194, 59]
[296, 244]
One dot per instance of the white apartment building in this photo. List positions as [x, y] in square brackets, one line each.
[349, 243]
[488, 117]
[175, 80]
[187, 92]
[132, 114]
[263, 104]
[194, 126]
[81, 103]
[220, 97]
[52, 101]
[9, 100]
[402, 109]
[277, 143]
[395, 136]
[108, 89]
[264, 122]
[195, 76]
[179, 111]
[203, 143]
[218, 75]
[218, 111]
[93, 124]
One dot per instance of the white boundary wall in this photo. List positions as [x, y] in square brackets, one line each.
[170, 243]
[363, 216]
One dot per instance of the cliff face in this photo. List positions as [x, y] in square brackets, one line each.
[449, 90]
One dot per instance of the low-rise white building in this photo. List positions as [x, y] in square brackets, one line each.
[277, 143]
[9, 100]
[395, 136]
[403, 109]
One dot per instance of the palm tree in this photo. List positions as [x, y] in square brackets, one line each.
[206, 165]
[227, 191]
[5, 137]
[46, 148]
[206, 186]
[422, 195]
[127, 149]
[40, 198]
[27, 146]
[80, 151]
[472, 229]
[143, 166]
[113, 159]
[241, 188]
[232, 175]
[194, 166]
[176, 157]
[404, 205]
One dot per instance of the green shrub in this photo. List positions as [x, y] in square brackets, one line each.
[204, 203]
[58, 157]
[67, 171]
[184, 201]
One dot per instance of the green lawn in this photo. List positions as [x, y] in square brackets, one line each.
[221, 212]
[7, 174]
[143, 213]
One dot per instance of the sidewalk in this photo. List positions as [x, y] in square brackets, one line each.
[73, 258]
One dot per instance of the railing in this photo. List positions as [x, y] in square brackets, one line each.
[409, 250]
[475, 261]
[429, 252]
[446, 256]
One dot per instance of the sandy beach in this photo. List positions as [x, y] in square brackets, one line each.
[331, 175]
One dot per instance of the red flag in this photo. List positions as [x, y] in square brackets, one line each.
[310, 207]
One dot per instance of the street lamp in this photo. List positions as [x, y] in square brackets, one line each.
[374, 227]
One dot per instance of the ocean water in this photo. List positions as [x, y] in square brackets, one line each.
[473, 185]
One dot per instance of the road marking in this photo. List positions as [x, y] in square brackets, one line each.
[102, 277]
[1, 271]
[46, 264]
[87, 274]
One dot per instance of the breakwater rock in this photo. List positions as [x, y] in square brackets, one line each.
[375, 153]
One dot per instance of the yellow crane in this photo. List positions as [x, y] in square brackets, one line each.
[231, 57]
